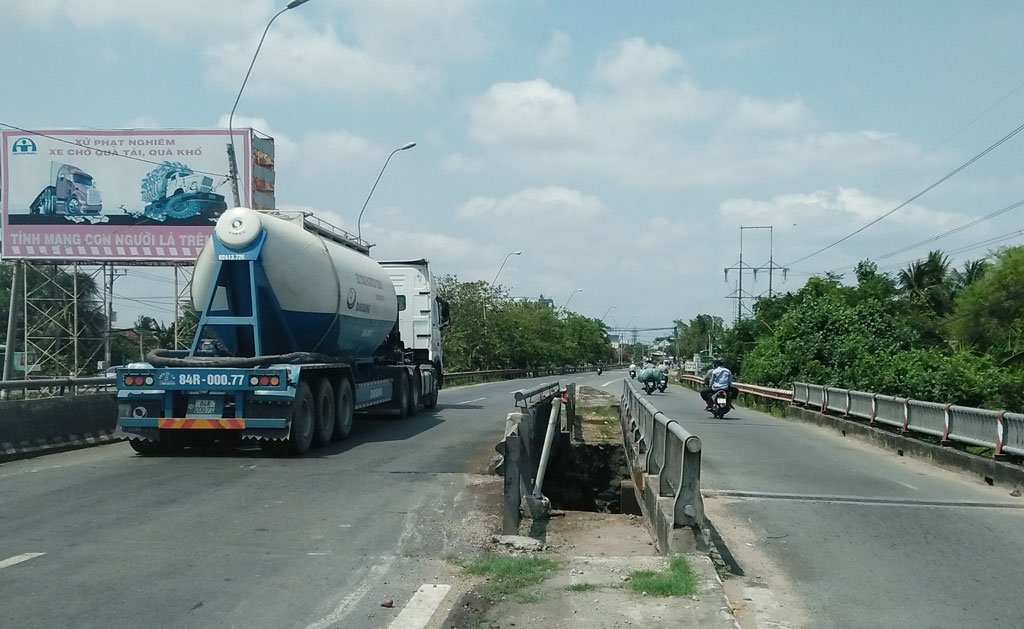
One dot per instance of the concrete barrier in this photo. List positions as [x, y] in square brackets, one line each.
[34, 427]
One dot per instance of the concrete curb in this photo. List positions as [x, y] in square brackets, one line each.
[31, 428]
[990, 471]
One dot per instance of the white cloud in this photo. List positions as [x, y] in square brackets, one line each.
[635, 63]
[552, 203]
[459, 163]
[299, 56]
[533, 114]
[553, 57]
[412, 29]
[645, 123]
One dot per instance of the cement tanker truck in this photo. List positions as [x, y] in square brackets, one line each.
[298, 329]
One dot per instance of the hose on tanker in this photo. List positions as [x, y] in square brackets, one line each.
[166, 358]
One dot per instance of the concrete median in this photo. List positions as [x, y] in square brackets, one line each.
[34, 427]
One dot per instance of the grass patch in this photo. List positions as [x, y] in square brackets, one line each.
[507, 575]
[603, 419]
[678, 580]
[582, 587]
[454, 560]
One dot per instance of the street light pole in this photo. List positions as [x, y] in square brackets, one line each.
[509, 254]
[359, 221]
[486, 297]
[606, 313]
[566, 305]
[232, 162]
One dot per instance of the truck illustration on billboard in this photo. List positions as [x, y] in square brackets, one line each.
[70, 191]
[173, 190]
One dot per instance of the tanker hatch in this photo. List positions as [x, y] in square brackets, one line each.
[238, 227]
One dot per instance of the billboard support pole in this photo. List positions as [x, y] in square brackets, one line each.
[12, 326]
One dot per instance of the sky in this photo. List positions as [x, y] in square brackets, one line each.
[619, 146]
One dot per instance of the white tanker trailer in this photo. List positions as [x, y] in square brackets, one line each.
[298, 329]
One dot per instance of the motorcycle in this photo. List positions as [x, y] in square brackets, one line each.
[720, 404]
[632, 374]
[599, 370]
[650, 386]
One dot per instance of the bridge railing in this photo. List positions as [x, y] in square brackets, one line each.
[658, 445]
[1001, 431]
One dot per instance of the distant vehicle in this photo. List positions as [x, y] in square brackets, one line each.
[71, 192]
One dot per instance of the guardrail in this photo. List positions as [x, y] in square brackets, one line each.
[468, 377]
[56, 387]
[664, 453]
[525, 450]
[768, 393]
[1001, 431]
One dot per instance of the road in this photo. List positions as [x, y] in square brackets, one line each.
[106, 538]
[847, 535]
[829, 532]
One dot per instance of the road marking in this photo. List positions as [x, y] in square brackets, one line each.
[899, 482]
[479, 399]
[864, 500]
[612, 382]
[7, 563]
[421, 607]
[375, 574]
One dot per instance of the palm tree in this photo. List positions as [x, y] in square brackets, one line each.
[972, 271]
[929, 281]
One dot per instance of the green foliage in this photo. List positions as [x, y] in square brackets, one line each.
[507, 575]
[930, 333]
[490, 331]
[678, 580]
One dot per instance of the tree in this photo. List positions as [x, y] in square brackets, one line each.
[989, 312]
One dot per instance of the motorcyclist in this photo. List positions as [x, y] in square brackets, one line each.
[719, 378]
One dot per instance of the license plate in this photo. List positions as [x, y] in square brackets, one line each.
[204, 406]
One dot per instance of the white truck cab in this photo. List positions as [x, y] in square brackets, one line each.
[424, 312]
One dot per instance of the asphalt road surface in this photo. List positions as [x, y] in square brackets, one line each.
[829, 532]
[848, 535]
[106, 538]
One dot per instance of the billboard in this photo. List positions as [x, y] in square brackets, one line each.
[137, 195]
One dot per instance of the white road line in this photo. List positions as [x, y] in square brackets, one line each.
[352, 598]
[610, 383]
[421, 607]
[479, 399]
[7, 563]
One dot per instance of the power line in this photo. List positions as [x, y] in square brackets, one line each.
[98, 150]
[926, 241]
[917, 196]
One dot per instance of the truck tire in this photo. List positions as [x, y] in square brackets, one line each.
[73, 206]
[303, 414]
[401, 396]
[325, 412]
[430, 400]
[415, 393]
[344, 410]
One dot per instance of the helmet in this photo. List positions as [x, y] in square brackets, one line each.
[717, 362]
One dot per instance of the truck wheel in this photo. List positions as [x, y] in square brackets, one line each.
[430, 400]
[303, 419]
[344, 410]
[415, 393]
[325, 412]
[401, 396]
[72, 207]
[144, 446]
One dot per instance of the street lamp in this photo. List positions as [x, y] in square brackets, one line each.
[566, 305]
[359, 221]
[606, 313]
[507, 256]
[232, 163]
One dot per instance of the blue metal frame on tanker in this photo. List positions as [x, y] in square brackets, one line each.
[293, 366]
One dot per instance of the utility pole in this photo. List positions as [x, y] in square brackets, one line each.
[112, 274]
[739, 294]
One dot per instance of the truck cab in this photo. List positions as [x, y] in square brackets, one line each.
[423, 314]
